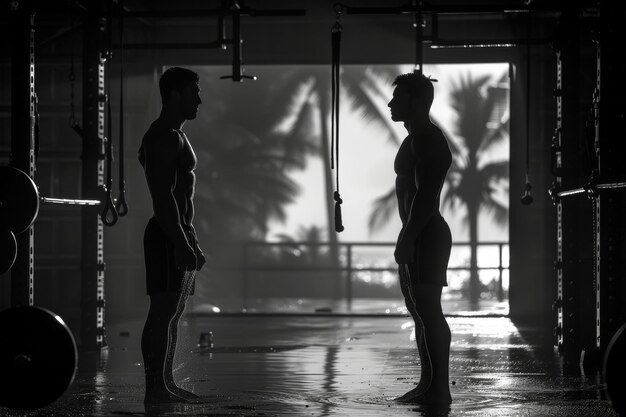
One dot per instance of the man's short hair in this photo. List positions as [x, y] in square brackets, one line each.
[176, 79]
[418, 85]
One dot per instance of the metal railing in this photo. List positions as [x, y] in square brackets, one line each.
[345, 264]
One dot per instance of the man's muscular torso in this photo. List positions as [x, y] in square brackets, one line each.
[410, 165]
[158, 147]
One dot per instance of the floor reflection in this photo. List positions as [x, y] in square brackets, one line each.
[331, 366]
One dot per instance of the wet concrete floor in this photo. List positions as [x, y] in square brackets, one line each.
[331, 366]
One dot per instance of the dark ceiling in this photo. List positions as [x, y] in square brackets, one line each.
[188, 27]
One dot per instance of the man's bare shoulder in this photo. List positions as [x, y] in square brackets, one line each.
[162, 141]
[434, 149]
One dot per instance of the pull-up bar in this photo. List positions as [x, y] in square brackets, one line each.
[419, 8]
[425, 7]
[241, 11]
[234, 9]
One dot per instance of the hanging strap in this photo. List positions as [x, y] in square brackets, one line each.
[108, 209]
[121, 205]
[418, 24]
[527, 198]
[334, 145]
[72, 75]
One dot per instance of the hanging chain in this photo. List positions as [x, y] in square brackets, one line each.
[72, 75]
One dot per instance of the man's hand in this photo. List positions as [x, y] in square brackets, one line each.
[185, 258]
[200, 258]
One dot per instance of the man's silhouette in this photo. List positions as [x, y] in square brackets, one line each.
[170, 246]
[424, 243]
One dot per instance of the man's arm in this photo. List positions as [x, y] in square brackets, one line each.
[400, 196]
[160, 168]
[424, 204]
[189, 213]
[200, 257]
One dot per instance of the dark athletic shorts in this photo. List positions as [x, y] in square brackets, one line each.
[432, 253]
[161, 272]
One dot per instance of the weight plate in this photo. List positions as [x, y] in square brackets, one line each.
[19, 200]
[614, 369]
[8, 250]
[38, 358]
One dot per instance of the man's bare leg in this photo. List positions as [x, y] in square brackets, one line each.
[420, 339]
[425, 363]
[428, 304]
[173, 339]
[154, 346]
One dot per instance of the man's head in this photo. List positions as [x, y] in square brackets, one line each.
[179, 90]
[412, 96]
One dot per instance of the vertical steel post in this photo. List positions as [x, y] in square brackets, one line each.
[596, 202]
[93, 335]
[574, 306]
[23, 138]
[610, 150]
[557, 166]
[237, 45]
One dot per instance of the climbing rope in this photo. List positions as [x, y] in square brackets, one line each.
[335, 93]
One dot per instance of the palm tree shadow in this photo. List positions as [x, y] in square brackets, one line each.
[249, 139]
[305, 94]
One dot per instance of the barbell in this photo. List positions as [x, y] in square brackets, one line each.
[38, 355]
[38, 358]
[591, 189]
[20, 199]
[19, 207]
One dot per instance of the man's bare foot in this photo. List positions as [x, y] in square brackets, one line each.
[183, 393]
[415, 392]
[161, 396]
[430, 397]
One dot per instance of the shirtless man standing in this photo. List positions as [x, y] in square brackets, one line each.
[423, 247]
[171, 249]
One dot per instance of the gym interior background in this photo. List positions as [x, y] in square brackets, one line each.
[565, 132]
